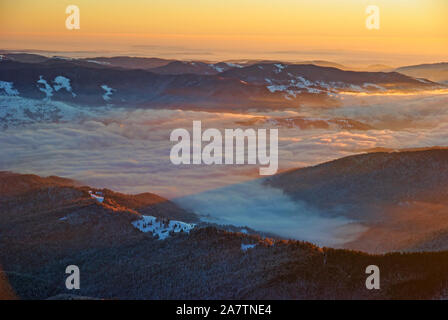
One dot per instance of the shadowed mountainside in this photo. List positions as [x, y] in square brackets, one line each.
[401, 196]
[158, 83]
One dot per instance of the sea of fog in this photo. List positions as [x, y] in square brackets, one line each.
[128, 151]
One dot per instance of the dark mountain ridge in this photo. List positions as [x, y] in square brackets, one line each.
[198, 85]
[132, 87]
[380, 177]
[117, 261]
[401, 197]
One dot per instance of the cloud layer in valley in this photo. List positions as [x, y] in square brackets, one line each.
[268, 209]
[128, 150]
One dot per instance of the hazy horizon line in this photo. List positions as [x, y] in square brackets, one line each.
[199, 56]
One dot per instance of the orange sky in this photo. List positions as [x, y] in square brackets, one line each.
[411, 31]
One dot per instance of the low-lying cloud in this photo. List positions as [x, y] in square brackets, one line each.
[268, 209]
[128, 150]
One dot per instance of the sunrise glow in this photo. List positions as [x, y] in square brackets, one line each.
[410, 32]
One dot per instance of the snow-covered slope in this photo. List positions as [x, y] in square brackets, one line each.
[161, 228]
[17, 111]
[295, 79]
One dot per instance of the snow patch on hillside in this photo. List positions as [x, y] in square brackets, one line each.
[98, 196]
[99, 62]
[297, 84]
[8, 88]
[18, 111]
[367, 84]
[234, 65]
[62, 58]
[245, 247]
[279, 67]
[217, 68]
[274, 88]
[47, 89]
[61, 82]
[108, 93]
[161, 228]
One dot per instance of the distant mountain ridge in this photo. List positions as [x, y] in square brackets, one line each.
[158, 83]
